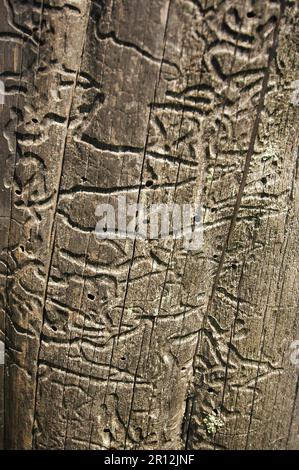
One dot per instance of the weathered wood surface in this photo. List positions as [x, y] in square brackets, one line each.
[123, 344]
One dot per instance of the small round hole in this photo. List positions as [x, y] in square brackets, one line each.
[149, 183]
[251, 14]
[35, 120]
[22, 248]
[54, 328]
[215, 411]
[83, 179]
[123, 358]
[264, 180]
[106, 430]
[211, 390]
[18, 192]
[91, 296]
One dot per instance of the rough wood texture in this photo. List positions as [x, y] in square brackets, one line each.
[128, 344]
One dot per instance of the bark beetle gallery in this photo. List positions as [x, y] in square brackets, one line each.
[144, 344]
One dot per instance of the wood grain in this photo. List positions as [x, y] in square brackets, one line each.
[127, 344]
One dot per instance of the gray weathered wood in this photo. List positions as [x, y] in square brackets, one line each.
[130, 344]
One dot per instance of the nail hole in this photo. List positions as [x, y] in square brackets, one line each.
[18, 192]
[91, 296]
[149, 183]
[264, 180]
[54, 328]
[35, 120]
